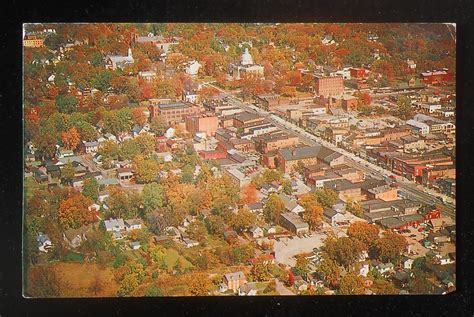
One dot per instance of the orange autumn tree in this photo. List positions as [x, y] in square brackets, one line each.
[313, 211]
[139, 116]
[364, 232]
[248, 194]
[71, 138]
[73, 212]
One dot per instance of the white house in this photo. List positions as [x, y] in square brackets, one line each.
[135, 245]
[190, 243]
[44, 243]
[332, 216]
[114, 225]
[256, 232]
[364, 270]
[192, 68]
[91, 147]
[248, 289]
[407, 263]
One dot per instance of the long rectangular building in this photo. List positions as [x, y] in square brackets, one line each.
[173, 112]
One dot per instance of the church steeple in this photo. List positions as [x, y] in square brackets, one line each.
[130, 52]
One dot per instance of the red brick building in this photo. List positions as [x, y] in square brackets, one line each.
[327, 85]
[207, 123]
[358, 72]
[436, 77]
[173, 112]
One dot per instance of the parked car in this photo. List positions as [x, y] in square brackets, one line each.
[412, 235]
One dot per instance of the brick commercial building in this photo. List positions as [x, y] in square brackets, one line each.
[289, 158]
[345, 189]
[173, 112]
[207, 123]
[412, 167]
[384, 192]
[267, 101]
[358, 72]
[436, 77]
[246, 119]
[268, 143]
[329, 86]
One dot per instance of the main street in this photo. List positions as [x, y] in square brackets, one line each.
[416, 192]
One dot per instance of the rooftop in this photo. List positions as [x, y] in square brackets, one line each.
[294, 219]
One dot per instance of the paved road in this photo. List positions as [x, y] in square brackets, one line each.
[281, 289]
[352, 159]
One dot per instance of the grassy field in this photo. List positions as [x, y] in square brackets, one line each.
[171, 256]
[77, 279]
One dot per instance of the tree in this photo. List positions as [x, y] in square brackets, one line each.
[128, 285]
[328, 270]
[187, 174]
[273, 208]
[146, 170]
[91, 188]
[101, 80]
[390, 246]
[66, 104]
[153, 290]
[313, 211]
[145, 143]
[403, 109]
[73, 212]
[249, 194]
[286, 187]
[97, 285]
[215, 224]
[344, 251]
[366, 233]
[129, 149]
[326, 197]
[354, 208]
[288, 91]
[244, 219]
[43, 281]
[351, 284]
[153, 195]
[200, 285]
[260, 271]
[301, 266]
[291, 278]
[71, 138]
[139, 116]
[158, 125]
[67, 172]
[109, 150]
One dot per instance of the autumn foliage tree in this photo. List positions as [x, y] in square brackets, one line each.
[343, 251]
[71, 138]
[249, 194]
[313, 211]
[73, 212]
[364, 232]
[200, 285]
[391, 246]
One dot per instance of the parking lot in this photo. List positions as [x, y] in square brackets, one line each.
[286, 248]
[413, 238]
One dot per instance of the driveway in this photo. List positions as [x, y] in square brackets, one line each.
[281, 289]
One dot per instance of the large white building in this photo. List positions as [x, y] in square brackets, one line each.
[246, 67]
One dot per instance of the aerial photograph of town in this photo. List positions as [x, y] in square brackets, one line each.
[238, 159]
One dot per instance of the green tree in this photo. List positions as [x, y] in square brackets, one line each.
[129, 149]
[128, 285]
[301, 267]
[326, 197]
[329, 270]
[153, 197]
[67, 172]
[286, 187]
[403, 110]
[153, 290]
[273, 208]
[354, 208]
[101, 80]
[66, 104]
[91, 188]
[146, 144]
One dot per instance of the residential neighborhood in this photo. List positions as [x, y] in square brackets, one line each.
[192, 159]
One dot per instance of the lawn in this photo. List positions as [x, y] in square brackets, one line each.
[172, 255]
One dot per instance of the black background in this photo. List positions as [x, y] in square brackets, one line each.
[15, 13]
